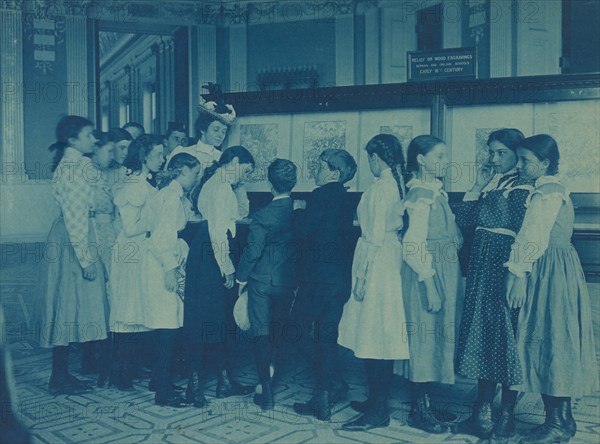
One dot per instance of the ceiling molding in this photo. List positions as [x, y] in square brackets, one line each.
[131, 13]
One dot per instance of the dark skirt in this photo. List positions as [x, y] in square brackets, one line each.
[208, 305]
[487, 347]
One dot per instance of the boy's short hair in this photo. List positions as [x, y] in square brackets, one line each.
[340, 160]
[283, 175]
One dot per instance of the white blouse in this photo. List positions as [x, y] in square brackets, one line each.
[543, 206]
[206, 155]
[169, 217]
[379, 215]
[218, 205]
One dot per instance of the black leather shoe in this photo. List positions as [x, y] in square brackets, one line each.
[67, 385]
[505, 425]
[360, 406]
[174, 387]
[338, 391]
[422, 417]
[367, 422]
[306, 408]
[174, 401]
[567, 418]
[480, 423]
[322, 406]
[194, 394]
[226, 387]
[265, 399]
[553, 430]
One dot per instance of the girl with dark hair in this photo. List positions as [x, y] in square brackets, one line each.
[211, 274]
[555, 337]
[104, 217]
[487, 349]
[431, 283]
[73, 292]
[129, 274]
[165, 269]
[372, 324]
[211, 128]
[118, 172]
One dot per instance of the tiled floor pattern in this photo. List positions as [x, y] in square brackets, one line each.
[110, 416]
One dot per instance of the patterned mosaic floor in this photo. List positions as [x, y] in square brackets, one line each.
[110, 416]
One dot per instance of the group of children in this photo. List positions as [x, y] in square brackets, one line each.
[396, 299]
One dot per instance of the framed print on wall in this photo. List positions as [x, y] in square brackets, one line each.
[266, 137]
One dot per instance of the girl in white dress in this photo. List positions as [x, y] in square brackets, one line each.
[165, 265]
[129, 279]
[373, 322]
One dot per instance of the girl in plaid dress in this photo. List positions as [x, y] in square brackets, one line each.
[73, 305]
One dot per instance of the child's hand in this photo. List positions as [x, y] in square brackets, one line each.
[434, 301]
[359, 289]
[229, 281]
[516, 291]
[171, 283]
[485, 174]
[89, 272]
[299, 204]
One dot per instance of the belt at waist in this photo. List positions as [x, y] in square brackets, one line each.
[504, 231]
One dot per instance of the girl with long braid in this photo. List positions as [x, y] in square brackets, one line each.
[372, 324]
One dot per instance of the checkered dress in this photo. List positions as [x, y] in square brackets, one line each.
[71, 308]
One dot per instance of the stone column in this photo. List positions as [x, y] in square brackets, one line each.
[77, 64]
[11, 106]
[238, 58]
[501, 37]
[344, 50]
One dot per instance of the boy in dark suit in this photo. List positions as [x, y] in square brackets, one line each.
[324, 227]
[268, 267]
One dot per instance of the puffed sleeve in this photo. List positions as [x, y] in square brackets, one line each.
[130, 201]
[164, 231]
[533, 238]
[75, 197]
[414, 243]
[220, 209]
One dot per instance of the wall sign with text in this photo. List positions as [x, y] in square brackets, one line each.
[442, 64]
